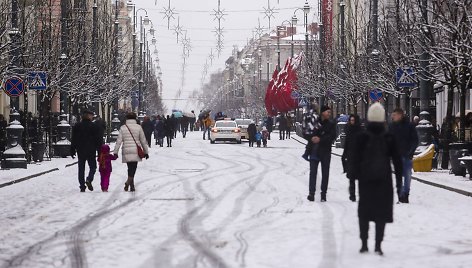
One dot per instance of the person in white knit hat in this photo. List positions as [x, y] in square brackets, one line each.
[374, 151]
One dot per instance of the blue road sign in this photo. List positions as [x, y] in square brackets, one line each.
[406, 77]
[294, 95]
[37, 80]
[14, 86]
[302, 101]
[375, 95]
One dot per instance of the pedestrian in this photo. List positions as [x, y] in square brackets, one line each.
[282, 126]
[131, 138]
[310, 126]
[105, 166]
[102, 125]
[289, 126]
[192, 121]
[175, 125]
[169, 130]
[353, 128]
[406, 139]
[86, 142]
[322, 140]
[258, 138]
[207, 125]
[251, 132]
[265, 136]
[270, 125]
[184, 121]
[373, 153]
[159, 132]
[148, 129]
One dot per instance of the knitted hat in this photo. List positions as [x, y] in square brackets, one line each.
[376, 113]
[324, 108]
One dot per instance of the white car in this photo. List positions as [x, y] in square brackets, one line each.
[225, 130]
[243, 124]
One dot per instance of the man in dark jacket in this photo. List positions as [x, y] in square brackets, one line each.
[353, 128]
[102, 125]
[324, 138]
[375, 149]
[282, 126]
[86, 142]
[406, 138]
[270, 125]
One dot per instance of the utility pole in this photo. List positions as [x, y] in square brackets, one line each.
[115, 60]
[342, 5]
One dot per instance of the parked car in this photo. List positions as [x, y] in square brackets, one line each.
[243, 124]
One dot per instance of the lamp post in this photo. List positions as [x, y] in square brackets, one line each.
[15, 46]
[342, 6]
[306, 11]
[64, 57]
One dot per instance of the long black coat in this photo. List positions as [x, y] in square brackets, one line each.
[251, 132]
[376, 195]
[86, 139]
[348, 154]
[169, 128]
[148, 128]
[327, 134]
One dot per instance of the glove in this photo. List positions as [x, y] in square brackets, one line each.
[146, 156]
[115, 155]
[73, 156]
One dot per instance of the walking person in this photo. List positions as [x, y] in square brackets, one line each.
[169, 130]
[251, 132]
[270, 125]
[159, 132]
[184, 121]
[321, 140]
[105, 166]
[265, 136]
[206, 125]
[86, 142]
[148, 128]
[353, 128]
[406, 139]
[373, 153]
[289, 126]
[130, 137]
[258, 138]
[282, 126]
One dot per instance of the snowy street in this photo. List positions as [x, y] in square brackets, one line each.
[221, 205]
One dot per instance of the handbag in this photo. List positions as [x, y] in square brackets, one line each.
[139, 148]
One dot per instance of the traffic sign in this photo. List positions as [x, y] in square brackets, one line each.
[37, 80]
[294, 95]
[302, 102]
[406, 77]
[375, 95]
[14, 86]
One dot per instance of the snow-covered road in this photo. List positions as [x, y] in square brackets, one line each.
[222, 205]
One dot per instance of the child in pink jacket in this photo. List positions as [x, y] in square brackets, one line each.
[104, 166]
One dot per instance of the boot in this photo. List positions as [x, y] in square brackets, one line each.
[406, 199]
[323, 197]
[378, 248]
[311, 197]
[89, 185]
[352, 197]
[364, 247]
[127, 184]
[131, 185]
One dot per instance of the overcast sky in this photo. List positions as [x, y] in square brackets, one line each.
[196, 17]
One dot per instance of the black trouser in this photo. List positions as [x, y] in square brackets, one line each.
[184, 132]
[282, 134]
[352, 187]
[251, 142]
[364, 230]
[132, 166]
[93, 167]
[325, 160]
[169, 141]
[288, 133]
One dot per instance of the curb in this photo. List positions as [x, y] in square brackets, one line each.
[34, 175]
[445, 187]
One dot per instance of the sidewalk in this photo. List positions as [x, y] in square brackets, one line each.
[12, 176]
[437, 178]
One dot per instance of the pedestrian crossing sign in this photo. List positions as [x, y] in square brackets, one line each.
[406, 77]
[37, 80]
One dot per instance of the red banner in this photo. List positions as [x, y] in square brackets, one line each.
[327, 12]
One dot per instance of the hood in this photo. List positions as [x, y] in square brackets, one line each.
[105, 149]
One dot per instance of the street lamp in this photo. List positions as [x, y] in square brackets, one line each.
[306, 11]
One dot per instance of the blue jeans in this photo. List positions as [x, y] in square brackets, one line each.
[92, 166]
[407, 166]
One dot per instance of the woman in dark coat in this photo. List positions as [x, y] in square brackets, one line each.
[353, 128]
[148, 128]
[251, 132]
[169, 128]
[374, 151]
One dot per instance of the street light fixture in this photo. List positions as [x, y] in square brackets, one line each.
[306, 8]
[152, 31]
[130, 6]
[146, 20]
[154, 40]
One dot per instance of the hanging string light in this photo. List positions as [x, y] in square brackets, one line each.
[169, 13]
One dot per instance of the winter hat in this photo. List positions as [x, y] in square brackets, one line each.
[324, 108]
[264, 128]
[376, 113]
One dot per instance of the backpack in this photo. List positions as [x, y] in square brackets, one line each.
[375, 162]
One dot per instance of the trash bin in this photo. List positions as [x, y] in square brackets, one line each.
[456, 151]
[38, 149]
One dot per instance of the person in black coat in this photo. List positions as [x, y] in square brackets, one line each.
[102, 125]
[148, 128]
[251, 132]
[322, 140]
[86, 142]
[406, 138]
[282, 126]
[270, 125]
[373, 153]
[169, 129]
[184, 121]
[353, 128]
